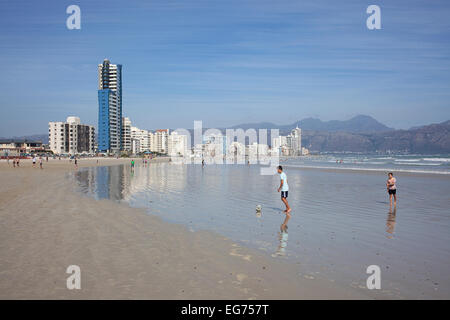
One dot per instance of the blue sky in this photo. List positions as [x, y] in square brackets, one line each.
[225, 61]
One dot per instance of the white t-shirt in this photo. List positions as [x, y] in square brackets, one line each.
[285, 186]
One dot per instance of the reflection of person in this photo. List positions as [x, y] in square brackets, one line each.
[390, 222]
[284, 188]
[283, 238]
[392, 188]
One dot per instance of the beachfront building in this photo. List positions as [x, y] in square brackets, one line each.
[214, 145]
[295, 141]
[257, 150]
[71, 137]
[15, 148]
[126, 134]
[290, 145]
[278, 143]
[109, 107]
[159, 141]
[143, 137]
[135, 146]
[236, 150]
[177, 145]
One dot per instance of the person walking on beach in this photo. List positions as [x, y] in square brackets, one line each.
[76, 163]
[391, 188]
[132, 165]
[18, 162]
[34, 161]
[14, 162]
[40, 162]
[284, 188]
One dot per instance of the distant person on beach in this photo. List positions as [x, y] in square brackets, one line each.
[76, 163]
[14, 162]
[40, 162]
[34, 161]
[284, 188]
[203, 163]
[392, 188]
[132, 164]
[18, 162]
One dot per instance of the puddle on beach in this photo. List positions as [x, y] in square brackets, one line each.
[341, 222]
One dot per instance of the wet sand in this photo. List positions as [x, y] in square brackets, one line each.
[341, 222]
[123, 252]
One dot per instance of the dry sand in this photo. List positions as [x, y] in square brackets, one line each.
[123, 252]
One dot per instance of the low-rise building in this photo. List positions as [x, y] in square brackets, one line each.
[15, 148]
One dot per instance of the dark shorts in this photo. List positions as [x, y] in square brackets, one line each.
[392, 191]
[284, 194]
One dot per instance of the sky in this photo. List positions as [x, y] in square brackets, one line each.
[225, 62]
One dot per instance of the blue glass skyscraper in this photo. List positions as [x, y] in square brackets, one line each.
[109, 107]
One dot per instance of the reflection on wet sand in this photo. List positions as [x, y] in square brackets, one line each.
[283, 239]
[123, 181]
[222, 199]
[390, 223]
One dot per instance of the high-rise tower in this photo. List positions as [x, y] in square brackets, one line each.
[109, 107]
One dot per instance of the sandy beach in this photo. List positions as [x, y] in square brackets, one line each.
[124, 253]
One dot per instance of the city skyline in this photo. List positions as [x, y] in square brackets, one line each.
[206, 61]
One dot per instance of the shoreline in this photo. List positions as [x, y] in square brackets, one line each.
[123, 252]
[370, 170]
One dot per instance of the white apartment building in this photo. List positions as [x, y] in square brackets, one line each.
[142, 136]
[289, 145]
[135, 146]
[126, 134]
[296, 141]
[159, 141]
[236, 149]
[177, 145]
[71, 137]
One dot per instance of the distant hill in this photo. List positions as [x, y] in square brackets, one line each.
[434, 138]
[35, 137]
[358, 124]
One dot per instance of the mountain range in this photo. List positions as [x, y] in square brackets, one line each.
[358, 124]
[430, 139]
[358, 134]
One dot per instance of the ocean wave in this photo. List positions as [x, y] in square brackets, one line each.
[437, 159]
[370, 169]
[407, 160]
[417, 164]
